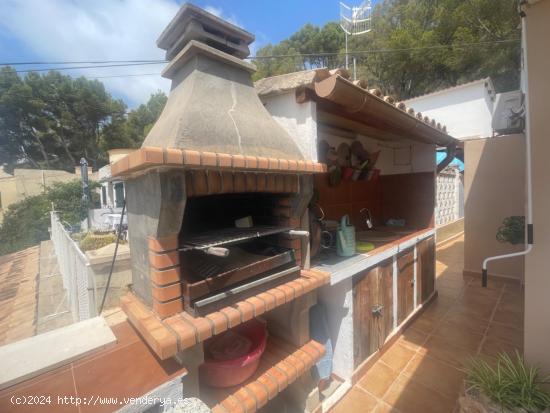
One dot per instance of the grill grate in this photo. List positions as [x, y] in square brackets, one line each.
[228, 236]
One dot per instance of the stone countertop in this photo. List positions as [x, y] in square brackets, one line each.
[342, 268]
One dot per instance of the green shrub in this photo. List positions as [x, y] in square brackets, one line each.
[93, 241]
[26, 222]
[512, 230]
[511, 384]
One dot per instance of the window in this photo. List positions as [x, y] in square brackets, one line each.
[103, 195]
[119, 194]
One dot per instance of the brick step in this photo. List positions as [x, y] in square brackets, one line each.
[280, 365]
[181, 331]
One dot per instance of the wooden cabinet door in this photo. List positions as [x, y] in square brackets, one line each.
[372, 310]
[426, 259]
[405, 285]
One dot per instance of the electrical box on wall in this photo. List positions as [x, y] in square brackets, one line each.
[508, 116]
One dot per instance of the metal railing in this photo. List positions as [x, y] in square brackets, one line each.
[75, 269]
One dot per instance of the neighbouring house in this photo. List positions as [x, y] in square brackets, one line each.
[28, 182]
[466, 109]
[490, 131]
[112, 194]
[229, 208]
[112, 189]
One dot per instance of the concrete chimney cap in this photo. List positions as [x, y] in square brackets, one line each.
[215, 25]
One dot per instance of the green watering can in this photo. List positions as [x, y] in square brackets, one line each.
[345, 238]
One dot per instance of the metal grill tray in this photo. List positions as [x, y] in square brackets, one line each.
[228, 236]
[203, 274]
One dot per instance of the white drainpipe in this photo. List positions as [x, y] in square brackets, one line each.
[529, 217]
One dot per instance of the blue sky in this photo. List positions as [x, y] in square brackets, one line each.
[78, 30]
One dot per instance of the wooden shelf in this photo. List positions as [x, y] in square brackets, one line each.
[280, 365]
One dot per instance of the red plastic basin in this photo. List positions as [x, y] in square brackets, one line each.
[228, 373]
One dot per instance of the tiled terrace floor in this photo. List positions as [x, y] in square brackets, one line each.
[422, 371]
[18, 287]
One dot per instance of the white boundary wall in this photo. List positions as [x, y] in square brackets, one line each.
[450, 196]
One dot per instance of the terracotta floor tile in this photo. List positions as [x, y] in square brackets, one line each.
[515, 299]
[511, 305]
[355, 400]
[453, 282]
[378, 379]
[510, 318]
[435, 375]
[383, 407]
[130, 371]
[453, 332]
[397, 356]
[449, 292]
[413, 338]
[475, 290]
[56, 383]
[424, 324]
[476, 311]
[467, 321]
[493, 346]
[408, 396]
[437, 310]
[477, 300]
[506, 333]
[443, 349]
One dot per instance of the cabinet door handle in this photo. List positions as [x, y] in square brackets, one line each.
[377, 310]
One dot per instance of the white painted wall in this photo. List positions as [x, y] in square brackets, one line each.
[338, 301]
[298, 119]
[466, 110]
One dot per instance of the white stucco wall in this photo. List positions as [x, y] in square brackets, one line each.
[298, 119]
[338, 301]
[466, 110]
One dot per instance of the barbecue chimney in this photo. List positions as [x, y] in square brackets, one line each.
[213, 105]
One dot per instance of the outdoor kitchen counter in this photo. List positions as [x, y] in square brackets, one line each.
[342, 268]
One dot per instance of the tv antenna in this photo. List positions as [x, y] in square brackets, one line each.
[355, 21]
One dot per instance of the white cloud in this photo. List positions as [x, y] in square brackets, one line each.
[82, 30]
[219, 12]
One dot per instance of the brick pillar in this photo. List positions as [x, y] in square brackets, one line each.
[156, 203]
[165, 275]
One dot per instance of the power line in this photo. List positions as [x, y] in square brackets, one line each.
[79, 62]
[47, 69]
[372, 51]
[127, 75]
[125, 63]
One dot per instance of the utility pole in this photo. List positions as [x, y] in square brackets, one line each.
[85, 189]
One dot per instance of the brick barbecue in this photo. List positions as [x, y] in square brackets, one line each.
[214, 156]
[217, 201]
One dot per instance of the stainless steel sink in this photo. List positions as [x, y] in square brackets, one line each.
[376, 236]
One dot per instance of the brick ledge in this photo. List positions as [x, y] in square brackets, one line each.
[181, 331]
[151, 157]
